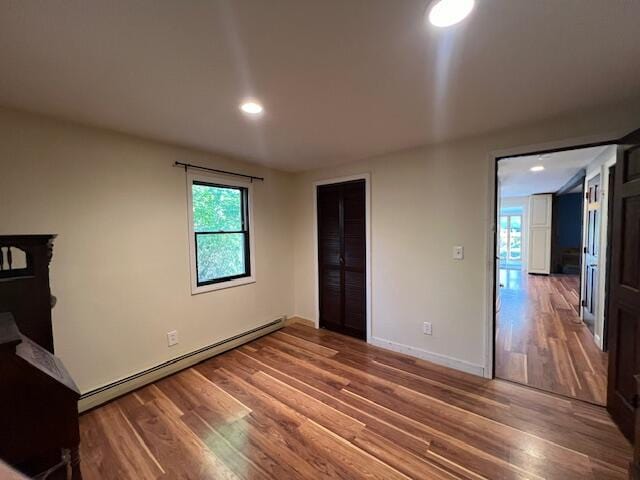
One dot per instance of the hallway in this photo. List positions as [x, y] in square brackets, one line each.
[541, 341]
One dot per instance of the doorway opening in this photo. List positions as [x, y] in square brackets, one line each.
[551, 263]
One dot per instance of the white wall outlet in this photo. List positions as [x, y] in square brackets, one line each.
[172, 338]
[427, 328]
[458, 253]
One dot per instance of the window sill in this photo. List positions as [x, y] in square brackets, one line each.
[195, 290]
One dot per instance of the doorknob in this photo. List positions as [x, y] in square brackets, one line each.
[341, 260]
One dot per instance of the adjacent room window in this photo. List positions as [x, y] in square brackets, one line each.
[510, 238]
[221, 233]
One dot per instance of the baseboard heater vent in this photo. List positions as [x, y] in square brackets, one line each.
[98, 396]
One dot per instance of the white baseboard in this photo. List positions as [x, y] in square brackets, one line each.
[301, 320]
[438, 358]
[115, 389]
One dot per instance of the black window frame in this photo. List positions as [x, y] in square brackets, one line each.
[244, 206]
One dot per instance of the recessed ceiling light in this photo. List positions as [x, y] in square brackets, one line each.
[444, 13]
[252, 108]
[537, 168]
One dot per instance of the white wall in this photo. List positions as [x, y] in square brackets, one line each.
[521, 203]
[425, 201]
[121, 261]
[121, 264]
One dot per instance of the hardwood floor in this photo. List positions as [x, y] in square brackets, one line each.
[541, 341]
[306, 403]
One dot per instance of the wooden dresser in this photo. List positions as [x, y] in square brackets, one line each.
[38, 398]
[24, 284]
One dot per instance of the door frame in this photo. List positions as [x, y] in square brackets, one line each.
[603, 260]
[611, 193]
[492, 226]
[367, 219]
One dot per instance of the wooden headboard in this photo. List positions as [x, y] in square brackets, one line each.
[24, 284]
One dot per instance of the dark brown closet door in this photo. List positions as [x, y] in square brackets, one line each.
[342, 257]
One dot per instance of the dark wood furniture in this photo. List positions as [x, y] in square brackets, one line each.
[8, 473]
[24, 284]
[38, 407]
[342, 253]
[570, 261]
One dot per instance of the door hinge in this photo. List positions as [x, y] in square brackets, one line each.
[583, 303]
[584, 249]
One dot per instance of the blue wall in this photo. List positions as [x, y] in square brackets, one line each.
[569, 220]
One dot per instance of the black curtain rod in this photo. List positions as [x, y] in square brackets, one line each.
[197, 167]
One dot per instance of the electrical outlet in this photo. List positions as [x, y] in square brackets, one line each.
[458, 253]
[172, 338]
[427, 328]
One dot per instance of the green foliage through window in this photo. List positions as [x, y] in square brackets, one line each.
[221, 232]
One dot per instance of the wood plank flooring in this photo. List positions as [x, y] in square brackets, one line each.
[306, 403]
[541, 341]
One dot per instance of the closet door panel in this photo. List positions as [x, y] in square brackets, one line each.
[330, 281]
[354, 226]
[539, 248]
[329, 234]
[539, 260]
[354, 305]
[342, 257]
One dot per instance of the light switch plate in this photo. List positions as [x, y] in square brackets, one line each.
[172, 338]
[427, 328]
[458, 253]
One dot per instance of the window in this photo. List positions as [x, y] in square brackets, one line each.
[510, 238]
[221, 235]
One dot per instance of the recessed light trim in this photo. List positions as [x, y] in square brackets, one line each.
[444, 13]
[537, 168]
[251, 107]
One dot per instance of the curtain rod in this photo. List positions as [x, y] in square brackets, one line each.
[225, 172]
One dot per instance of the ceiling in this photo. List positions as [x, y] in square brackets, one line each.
[516, 178]
[340, 79]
